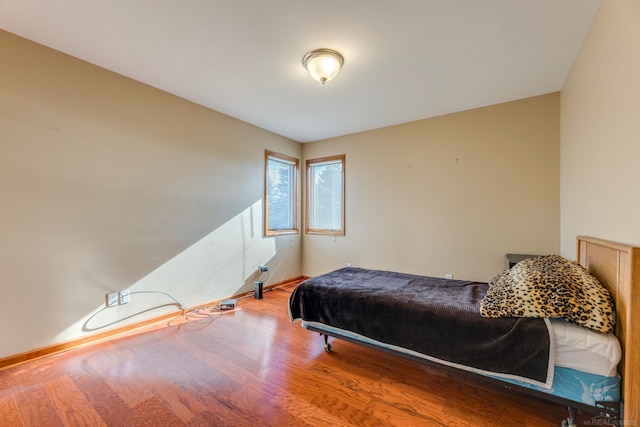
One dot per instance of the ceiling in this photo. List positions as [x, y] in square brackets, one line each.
[405, 60]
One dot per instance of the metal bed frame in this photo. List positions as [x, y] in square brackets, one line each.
[611, 411]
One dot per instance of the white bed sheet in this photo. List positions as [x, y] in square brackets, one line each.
[584, 350]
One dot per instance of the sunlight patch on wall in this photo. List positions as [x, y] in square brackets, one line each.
[222, 264]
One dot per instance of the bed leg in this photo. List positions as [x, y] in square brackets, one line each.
[571, 421]
[327, 346]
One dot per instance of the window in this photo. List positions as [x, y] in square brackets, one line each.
[280, 194]
[325, 196]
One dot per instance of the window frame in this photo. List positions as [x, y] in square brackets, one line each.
[321, 231]
[272, 155]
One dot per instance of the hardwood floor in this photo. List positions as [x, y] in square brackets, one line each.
[249, 367]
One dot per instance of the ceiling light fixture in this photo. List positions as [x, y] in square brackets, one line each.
[323, 64]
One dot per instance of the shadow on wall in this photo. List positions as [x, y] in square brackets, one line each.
[222, 264]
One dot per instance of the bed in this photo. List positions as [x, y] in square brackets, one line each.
[541, 350]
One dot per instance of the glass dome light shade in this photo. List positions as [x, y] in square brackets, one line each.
[323, 64]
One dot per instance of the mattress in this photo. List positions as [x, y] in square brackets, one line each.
[579, 386]
[577, 348]
[568, 383]
[583, 350]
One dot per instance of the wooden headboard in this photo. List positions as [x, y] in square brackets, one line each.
[617, 266]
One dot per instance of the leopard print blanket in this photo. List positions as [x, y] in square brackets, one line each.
[550, 286]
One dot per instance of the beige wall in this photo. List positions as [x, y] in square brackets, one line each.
[600, 131]
[107, 184]
[450, 194]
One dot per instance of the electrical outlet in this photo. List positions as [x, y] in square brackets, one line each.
[263, 268]
[349, 264]
[111, 299]
[448, 276]
[125, 297]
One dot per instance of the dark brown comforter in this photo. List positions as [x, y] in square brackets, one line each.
[435, 317]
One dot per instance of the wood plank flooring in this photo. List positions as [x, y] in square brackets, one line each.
[250, 367]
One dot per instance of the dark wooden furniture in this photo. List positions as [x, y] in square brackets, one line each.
[513, 259]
